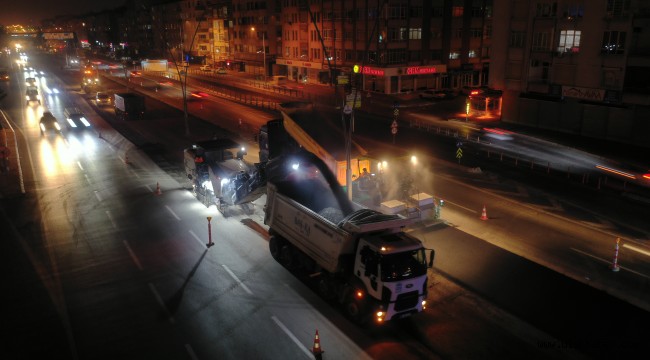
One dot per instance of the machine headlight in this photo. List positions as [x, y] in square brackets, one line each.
[57, 126]
[225, 181]
[207, 185]
[72, 124]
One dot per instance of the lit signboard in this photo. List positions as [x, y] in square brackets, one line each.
[418, 70]
[367, 70]
[58, 36]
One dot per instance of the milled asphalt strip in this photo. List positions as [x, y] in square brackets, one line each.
[292, 337]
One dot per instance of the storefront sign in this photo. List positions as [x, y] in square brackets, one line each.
[304, 64]
[583, 93]
[418, 70]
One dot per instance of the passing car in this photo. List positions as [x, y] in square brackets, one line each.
[135, 73]
[206, 68]
[75, 119]
[32, 95]
[49, 124]
[102, 99]
[197, 95]
[30, 81]
[221, 71]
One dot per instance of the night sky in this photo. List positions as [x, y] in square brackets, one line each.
[31, 12]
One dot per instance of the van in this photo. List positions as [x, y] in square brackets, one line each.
[279, 80]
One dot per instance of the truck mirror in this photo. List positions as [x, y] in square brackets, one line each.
[431, 256]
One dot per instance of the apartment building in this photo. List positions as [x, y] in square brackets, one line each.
[395, 46]
[575, 66]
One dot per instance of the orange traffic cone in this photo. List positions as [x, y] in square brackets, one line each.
[316, 349]
[484, 214]
[158, 192]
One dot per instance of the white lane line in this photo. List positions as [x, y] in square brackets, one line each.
[639, 250]
[97, 196]
[135, 258]
[190, 351]
[609, 262]
[80, 167]
[243, 286]
[87, 179]
[197, 238]
[172, 212]
[462, 207]
[292, 337]
[161, 303]
[110, 217]
[149, 188]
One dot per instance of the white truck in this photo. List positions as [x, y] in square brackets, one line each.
[359, 257]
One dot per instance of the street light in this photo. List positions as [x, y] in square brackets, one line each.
[263, 53]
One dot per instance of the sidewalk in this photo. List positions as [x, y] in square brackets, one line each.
[11, 182]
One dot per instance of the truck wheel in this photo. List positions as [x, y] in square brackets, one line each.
[274, 247]
[325, 288]
[286, 257]
[353, 310]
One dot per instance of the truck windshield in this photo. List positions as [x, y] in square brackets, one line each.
[402, 266]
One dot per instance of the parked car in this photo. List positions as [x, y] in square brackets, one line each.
[49, 124]
[221, 71]
[102, 98]
[206, 68]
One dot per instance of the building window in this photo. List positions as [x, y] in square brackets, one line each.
[415, 55]
[517, 39]
[569, 41]
[415, 34]
[477, 33]
[574, 11]
[415, 12]
[613, 42]
[457, 11]
[541, 41]
[472, 53]
[617, 8]
[546, 9]
[454, 54]
[396, 56]
[397, 12]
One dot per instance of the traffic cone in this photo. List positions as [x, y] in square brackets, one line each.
[484, 214]
[158, 192]
[316, 349]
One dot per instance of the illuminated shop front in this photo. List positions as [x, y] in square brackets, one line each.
[393, 80]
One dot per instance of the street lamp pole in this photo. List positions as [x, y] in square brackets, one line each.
[264, 54]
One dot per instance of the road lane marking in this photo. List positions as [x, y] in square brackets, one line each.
[609, 262]
[292, 336]
[149, 188]
[639, 250]
[197, 238]
[87, 179]
[161, 303]
[97, 196]
[243, 286]
[462, 207]
[80, 167]
[135, 258]
[110, 217]
[190, 351]
[172, 212]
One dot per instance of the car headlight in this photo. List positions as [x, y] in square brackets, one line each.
[71, 123]
[85, 122]
[57, 126]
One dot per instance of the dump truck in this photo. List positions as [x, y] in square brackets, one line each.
[129, 106]
[219, 174]
[359, 257]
